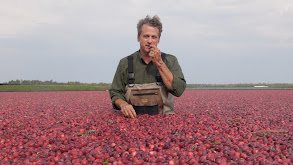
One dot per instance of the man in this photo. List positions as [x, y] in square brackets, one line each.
[145, 82]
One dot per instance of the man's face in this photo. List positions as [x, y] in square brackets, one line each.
[149, 36]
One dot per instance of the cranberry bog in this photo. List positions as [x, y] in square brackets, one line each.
[209, 127]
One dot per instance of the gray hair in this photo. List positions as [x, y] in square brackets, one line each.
[154, 22]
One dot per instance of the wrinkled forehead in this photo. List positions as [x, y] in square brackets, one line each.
[151, 30]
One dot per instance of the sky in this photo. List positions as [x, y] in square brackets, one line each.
[215, 41]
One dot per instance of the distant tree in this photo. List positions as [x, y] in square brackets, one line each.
[12, 82]
[26, 82]
[36, 82]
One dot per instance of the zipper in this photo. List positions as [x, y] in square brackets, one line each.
[144, 94]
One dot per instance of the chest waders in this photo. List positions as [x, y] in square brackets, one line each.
[149, 98]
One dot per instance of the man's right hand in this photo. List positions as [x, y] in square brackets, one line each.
[128, 111]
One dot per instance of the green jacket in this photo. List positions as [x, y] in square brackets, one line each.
[145, 73]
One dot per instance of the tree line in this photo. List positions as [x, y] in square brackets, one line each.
[246, 85]
[51, 82]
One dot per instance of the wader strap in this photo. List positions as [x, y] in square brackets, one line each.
[130, 69]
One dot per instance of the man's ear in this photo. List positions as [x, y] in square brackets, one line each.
[137, 38]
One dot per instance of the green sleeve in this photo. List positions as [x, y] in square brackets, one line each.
[118, 85]
[179, 83]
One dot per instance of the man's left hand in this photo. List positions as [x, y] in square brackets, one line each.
[155, 53]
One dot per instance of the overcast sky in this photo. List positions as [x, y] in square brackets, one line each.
[215, 41]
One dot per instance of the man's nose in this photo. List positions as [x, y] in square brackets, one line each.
[149, 40]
